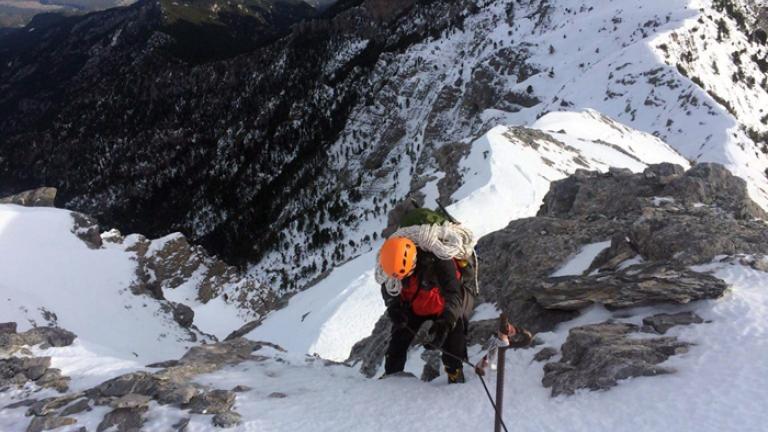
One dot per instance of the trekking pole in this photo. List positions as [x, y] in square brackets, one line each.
[503, 324]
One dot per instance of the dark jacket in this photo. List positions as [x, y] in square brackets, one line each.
[432, 271]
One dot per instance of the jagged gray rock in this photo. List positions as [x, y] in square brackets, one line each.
[48, 422]
[48, 406]
[87, 229]
[597, 356]
[123, 420]
[621, 194]
[241, 388]
[48, 336]
[143, 383]
[638, 285]
[212, 402]
[176, 393]
[183, 314]
[77, 407]
[660, 323]
[226, 419]
[9, 327]
[40, 197]
[131, 401]
[17, 371]
[545, 354]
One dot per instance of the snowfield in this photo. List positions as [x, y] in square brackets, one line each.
[720, 384]
[50, 277]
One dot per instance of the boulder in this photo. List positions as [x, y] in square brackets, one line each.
[49, 422]
[48, 406]
[77, 407]
[6, 328]
[142, 383]
[241, 388]
[227, 419]
[123, 420]
[545, 354]
[131, 401]
[212, 402]
[17, 371]
[183, 314]
[87, 229]
[176, 393]
[47, 336]
[660, 323]
[695, 236]
[597, 356]
[40, 197]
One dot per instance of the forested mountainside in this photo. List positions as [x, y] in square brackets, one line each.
[289, 156]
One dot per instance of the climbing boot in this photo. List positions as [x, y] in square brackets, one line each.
[455, 376]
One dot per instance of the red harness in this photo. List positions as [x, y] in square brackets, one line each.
[424, 301]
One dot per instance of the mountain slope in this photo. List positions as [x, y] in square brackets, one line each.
[290, 158]
[283, 391]
[507, 173]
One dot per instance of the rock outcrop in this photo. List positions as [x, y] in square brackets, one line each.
[40, 197]
[662, 219]
[19, 367]
[170, 262]
[129, 395]
[597, 356]
[655, 226]
[644, 284]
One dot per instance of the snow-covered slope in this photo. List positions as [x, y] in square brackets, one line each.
[51, 277]
[720, 385]
[650, 65]
[507, 174]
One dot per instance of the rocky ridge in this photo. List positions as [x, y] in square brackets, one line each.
[128, 395]
[654, 226]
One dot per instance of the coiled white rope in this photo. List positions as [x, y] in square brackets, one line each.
[446, 241]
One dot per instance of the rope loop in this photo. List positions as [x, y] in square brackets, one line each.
[446, 241]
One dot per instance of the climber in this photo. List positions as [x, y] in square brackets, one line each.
[431, 291]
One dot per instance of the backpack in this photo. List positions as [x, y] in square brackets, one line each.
[425, 216]
[421, 291]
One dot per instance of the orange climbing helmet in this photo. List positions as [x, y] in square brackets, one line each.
[398, 257]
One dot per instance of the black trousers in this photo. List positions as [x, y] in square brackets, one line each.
[455, 344]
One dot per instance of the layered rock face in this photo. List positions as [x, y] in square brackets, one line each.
[645, 231]
[657, 222]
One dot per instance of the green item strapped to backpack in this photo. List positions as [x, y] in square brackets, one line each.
[423, 216]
